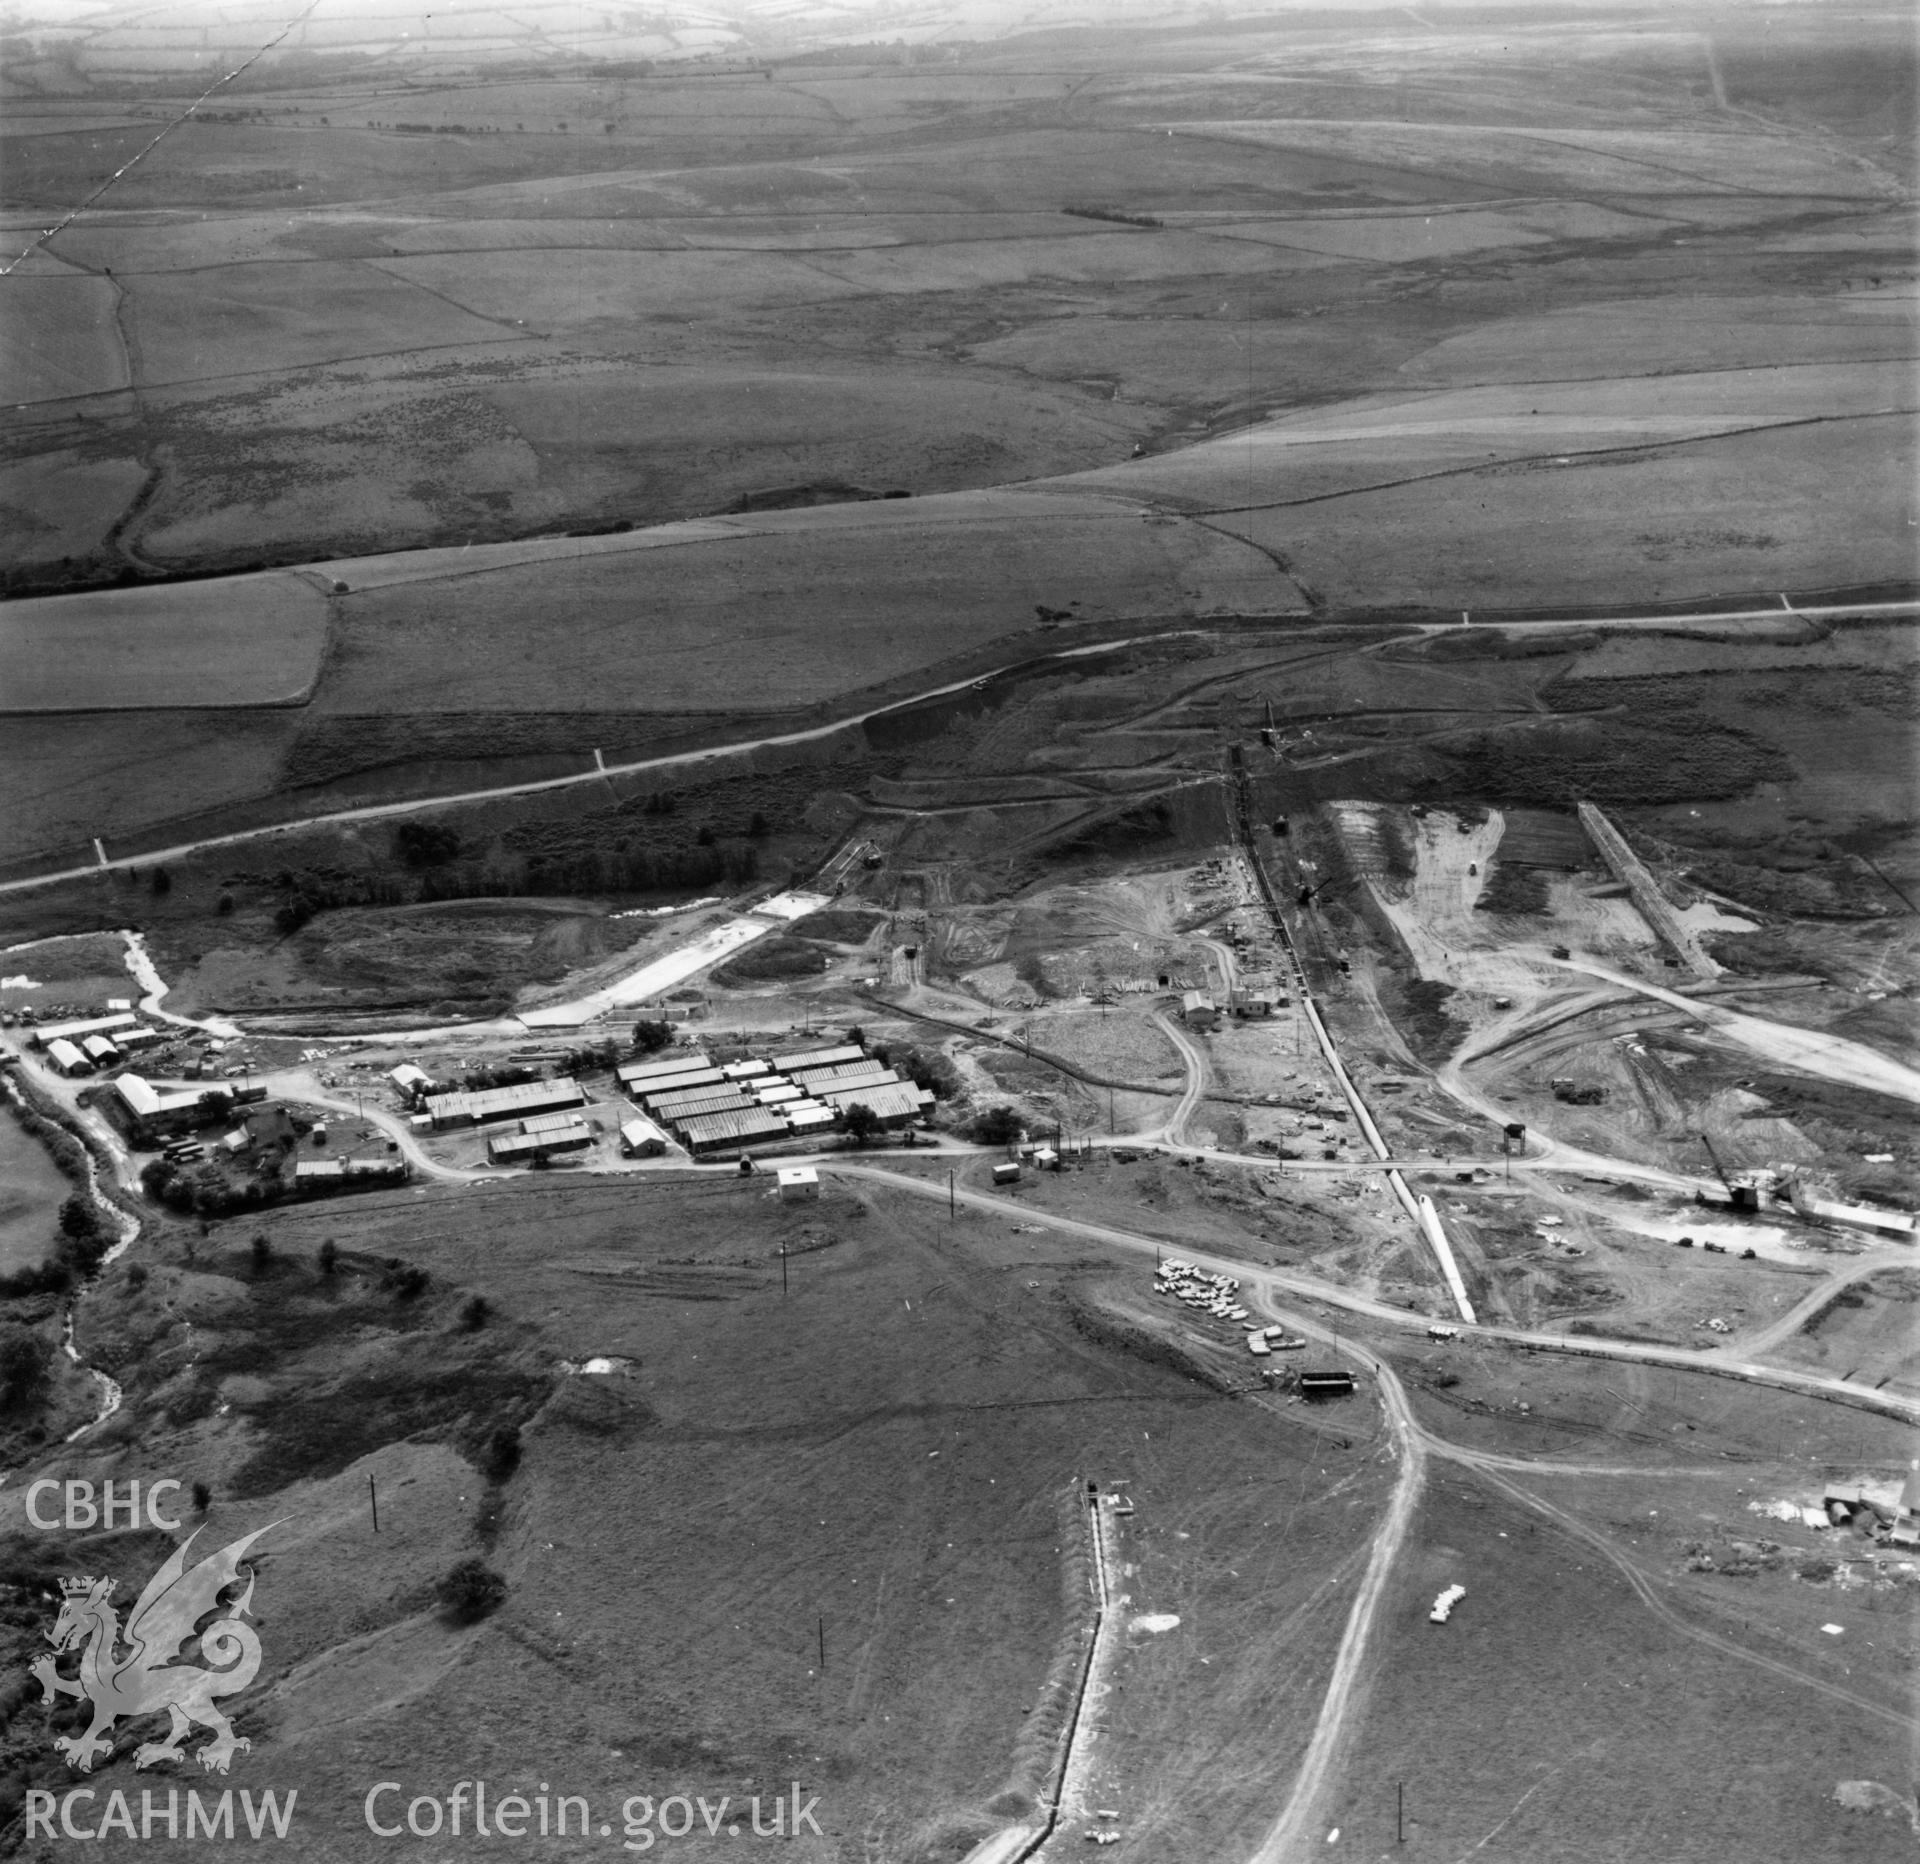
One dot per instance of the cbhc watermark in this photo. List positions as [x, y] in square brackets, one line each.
[79, 1510]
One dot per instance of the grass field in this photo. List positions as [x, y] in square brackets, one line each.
[888, 1458]
[58, 339]
[864, 577]
[1679, 523]
[1613, 1737]
[139, 649]
[32, 1190]
[62, 504]
[374, 283]
[1609, 161]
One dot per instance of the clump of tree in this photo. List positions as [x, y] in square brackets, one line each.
[405, 1281]
[500, 1456]
[996, 1126]
[927, 1068]
[588, 1055]
[426, 844]
[860, 1122]
[205, 1191]
[317, 890]
[25, 1369]
[651, 1037]
[469, 1591]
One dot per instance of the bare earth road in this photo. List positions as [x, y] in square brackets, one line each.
[1808, 1051]
[597, 773]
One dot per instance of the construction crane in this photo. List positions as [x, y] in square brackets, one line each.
[1740, 1196]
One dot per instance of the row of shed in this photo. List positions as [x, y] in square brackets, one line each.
[714, 1107]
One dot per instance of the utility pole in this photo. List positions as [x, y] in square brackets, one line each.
[783, 1268]
[373, 1495]
[823, 1646]
[953, 1203]
[1400, 1813]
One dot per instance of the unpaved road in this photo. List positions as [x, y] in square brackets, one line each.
[373, 812]
[1276, 1285]
[1291, 1834]
[1806, 1051]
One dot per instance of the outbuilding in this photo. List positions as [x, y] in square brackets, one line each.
[1009, 1173]
[100, 1051]
[67, 1058]
[799, 1185]
[1198, 1010]
[641, 1139]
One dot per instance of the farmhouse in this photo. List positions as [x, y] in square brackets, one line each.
[504, 1103]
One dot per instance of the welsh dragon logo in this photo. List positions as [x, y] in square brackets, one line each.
[150, 1666]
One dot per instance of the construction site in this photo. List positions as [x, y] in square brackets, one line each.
[1008, 925]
